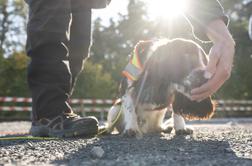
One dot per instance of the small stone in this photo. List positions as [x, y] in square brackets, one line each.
[248, 154]
[228, 150]
[5, 153]
[30, 145]
[59, 155]
[97, 152]
[19, 157]
[181, 149]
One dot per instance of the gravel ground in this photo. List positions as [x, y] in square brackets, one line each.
[217, 142]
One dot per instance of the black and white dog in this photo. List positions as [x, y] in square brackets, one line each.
[170, 70]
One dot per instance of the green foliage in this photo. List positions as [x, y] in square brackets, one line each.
[239, 85]
[13, 75]
[12, 25]
[94, 82]
[112, 45]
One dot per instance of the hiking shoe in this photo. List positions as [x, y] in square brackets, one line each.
[65, 125]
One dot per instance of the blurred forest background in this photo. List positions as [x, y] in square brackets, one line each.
[112, 43]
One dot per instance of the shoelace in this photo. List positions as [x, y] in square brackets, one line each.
[70, 115]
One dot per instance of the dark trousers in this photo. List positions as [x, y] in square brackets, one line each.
[58, 40]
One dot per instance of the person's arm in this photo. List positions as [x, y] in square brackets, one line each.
[209, 23]
[220, 59]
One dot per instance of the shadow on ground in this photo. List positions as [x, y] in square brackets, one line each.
[157, 150]
[219, 144]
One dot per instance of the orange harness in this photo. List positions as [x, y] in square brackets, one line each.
[135, 65]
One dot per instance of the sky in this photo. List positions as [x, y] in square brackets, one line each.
[156, 8]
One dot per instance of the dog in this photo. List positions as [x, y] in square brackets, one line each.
[167, 71]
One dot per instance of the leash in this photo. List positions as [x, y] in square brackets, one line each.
[101, 132]
[113, 123]
[120, 111]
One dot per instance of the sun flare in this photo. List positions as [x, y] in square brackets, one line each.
[166, 8]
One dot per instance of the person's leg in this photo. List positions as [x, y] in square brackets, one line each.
[80, 37]
[49, 75]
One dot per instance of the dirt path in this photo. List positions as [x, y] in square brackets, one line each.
[220, 143]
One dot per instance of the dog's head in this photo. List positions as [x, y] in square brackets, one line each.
[192, 109]
[171, 71]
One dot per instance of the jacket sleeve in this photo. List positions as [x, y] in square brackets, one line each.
[200, 13]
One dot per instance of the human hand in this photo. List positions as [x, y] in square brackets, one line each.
[220, 63]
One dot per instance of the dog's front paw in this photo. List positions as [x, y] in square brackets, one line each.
[132, 133]
[167, 129]
[186, 131]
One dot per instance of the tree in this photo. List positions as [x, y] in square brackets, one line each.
[112, 45]
[12, 25]
[93, 82]
[239, 85]
[13, 75]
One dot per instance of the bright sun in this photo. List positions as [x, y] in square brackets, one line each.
[166, 8]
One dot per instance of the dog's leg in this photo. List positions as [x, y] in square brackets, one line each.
[180, 126]
[167, 126]
[150, 121]
[130, 117]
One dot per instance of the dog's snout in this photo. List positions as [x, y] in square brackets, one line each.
[188, 85]
[195, 79]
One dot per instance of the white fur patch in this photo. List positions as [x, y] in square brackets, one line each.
[128, 108]
[179, 122]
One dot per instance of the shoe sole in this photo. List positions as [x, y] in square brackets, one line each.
[80, 132]
[39, 131]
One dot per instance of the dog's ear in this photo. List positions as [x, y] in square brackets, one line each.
[192, 109]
